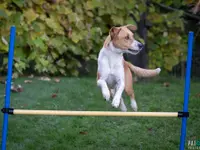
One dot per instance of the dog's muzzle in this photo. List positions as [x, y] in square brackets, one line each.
[141, 46]
[135, 52]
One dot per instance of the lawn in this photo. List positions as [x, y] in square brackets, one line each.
[99, 133]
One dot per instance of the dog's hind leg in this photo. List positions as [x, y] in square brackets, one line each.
[129, 87]
[131, 94]
[133, 103]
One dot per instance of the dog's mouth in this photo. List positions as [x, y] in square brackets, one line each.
[134, 52]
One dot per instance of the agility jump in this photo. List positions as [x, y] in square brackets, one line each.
[11, 111]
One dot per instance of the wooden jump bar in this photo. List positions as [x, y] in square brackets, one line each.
[94, 113]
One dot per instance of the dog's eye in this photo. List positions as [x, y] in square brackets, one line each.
[127, 37]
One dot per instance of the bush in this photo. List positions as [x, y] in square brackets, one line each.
[55, 36]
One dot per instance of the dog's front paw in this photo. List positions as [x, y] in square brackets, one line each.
[106, 94]
[116, 102]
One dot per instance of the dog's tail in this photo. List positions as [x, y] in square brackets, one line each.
[143, 72]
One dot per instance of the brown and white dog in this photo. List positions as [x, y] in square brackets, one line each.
[114, 73]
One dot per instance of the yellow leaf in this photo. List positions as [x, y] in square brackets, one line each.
[53, 23]
[90, 14]
[72, 17]
[30, 15]
[89, 5]
[75, 37]
[42, 17]
[63, 10]
[117, 19]
[3, 47]
[38, 2]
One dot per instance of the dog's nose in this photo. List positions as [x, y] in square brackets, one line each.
[141, 46]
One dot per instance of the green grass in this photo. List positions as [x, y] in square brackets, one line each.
[99, 133]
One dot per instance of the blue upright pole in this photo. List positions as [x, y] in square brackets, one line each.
[8, 86]
[187, 90]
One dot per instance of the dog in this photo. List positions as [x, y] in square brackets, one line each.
[114, 73]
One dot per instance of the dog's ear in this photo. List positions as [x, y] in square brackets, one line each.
[131, 27]
[114, 31]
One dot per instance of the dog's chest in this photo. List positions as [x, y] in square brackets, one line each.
[115, 63]
[110, 66]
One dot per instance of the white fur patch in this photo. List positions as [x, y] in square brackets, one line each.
[158, 70]
[116, 102]
[134, 105]
[112, 92]
[106, 94]
[122, 106]
[104, 89]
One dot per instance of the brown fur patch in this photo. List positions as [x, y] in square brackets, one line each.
[98, 75]
[124, 39]
[118, 36]
[128, 80]
[107, 41]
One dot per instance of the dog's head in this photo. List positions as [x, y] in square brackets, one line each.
[123, 39]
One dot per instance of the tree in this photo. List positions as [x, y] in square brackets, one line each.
[55, 36]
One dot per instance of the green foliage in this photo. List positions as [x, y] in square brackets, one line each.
[55, 35]
[166, 39]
